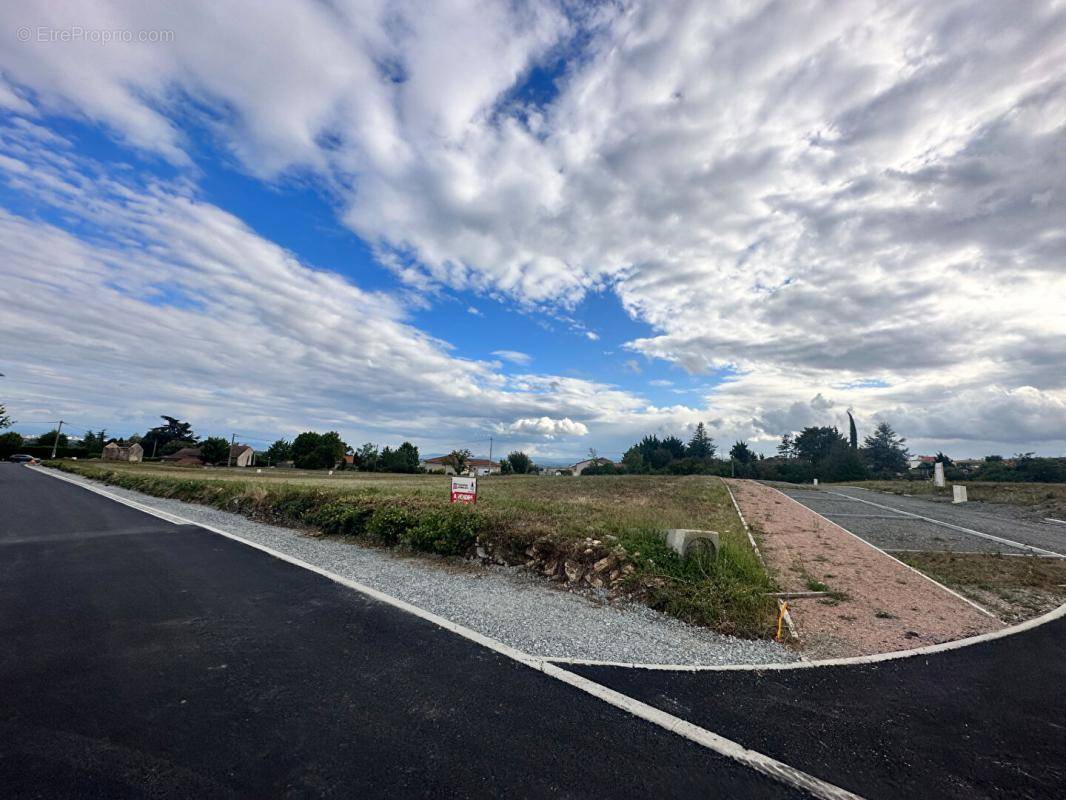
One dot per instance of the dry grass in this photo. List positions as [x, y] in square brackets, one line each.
[1014, 587]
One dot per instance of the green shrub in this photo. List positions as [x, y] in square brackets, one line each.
[449, 532]
[389, 525]
[340, 517]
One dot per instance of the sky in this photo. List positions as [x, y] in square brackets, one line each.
[559, 225]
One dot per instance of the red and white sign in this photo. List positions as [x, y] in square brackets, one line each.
[464, 490]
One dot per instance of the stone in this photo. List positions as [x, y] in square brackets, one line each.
[688, 541]
[601, 565]
[573, 571]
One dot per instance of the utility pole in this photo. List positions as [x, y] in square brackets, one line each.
[229, 455]
[490, 448]
[55, 442]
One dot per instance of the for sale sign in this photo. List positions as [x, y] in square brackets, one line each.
[464, 490]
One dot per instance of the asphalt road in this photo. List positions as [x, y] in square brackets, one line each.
[887, 520]
[143, 659]
[984, 721]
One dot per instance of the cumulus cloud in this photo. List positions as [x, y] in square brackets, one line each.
[548, 427]
[865, 196]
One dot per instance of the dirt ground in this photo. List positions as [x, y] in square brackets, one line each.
[877, 604]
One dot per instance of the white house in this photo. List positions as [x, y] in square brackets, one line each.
[241, 455]
[474, 466]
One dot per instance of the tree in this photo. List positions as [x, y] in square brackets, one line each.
[592, 454]
[787, 448]
[942, 459]
[156, 439]
[843, 464]
[403, 459]
[458, 459]
[281, 450]
[11, 440]
[675, 446]
[367, 457]
[814, 445]
[884, 451]
[5, 420]
[312, 450]
[48, 439]
[853, 433]
[214, 450]
[701, 445]
[520, 463]
[741, 453]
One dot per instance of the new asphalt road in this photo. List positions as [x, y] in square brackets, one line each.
[144, 659]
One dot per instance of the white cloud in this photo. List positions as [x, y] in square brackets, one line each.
[473, 311]
[514, 356]
[884, 200]
[548, 427]
[660, 382]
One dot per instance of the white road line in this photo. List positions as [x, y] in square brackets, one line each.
[971, 531]
[764, 764]
[1052, 519]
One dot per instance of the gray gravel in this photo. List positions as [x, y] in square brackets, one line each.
[891, 531]
[521, 610]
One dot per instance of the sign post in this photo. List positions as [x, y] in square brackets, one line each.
[464, 490]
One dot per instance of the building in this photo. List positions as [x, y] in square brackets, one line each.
[113, 451]
[474, 466]
[241, 455]
[915, 462]
[186, 456]
[581, 466]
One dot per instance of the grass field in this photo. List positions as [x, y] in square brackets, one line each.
[1014, 587]
[1043, 499]
[598, 532]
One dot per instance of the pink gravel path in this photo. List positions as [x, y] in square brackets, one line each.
[887, 606]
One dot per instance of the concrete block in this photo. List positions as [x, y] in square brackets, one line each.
[686, 541]
[938, 474]
[958, 494]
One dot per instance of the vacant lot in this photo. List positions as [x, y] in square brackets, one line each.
[595, 533]
[1040, 499]
[1014, 587]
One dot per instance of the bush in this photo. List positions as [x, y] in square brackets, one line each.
[449, 532]
[340, 517]
[389, 525]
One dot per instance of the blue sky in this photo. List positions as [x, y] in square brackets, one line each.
[557, 225]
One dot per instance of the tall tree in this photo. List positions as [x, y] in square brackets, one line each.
[520, 462]
[701, 445]
[367, 457]
[814, 444]
[156, 439]
[47, 439]
[5, 420]
[281, 450]
[741, 453]
[675, 446]
[787, 449]
[853, 432]
[214, 450]
[885, 451]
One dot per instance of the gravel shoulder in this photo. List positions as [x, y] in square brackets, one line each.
[878, 604]
[519, 609]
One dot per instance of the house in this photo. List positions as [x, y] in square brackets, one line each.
[185, 456]
[474, 466]
[113, 451]
[581, 466]
[241, 455]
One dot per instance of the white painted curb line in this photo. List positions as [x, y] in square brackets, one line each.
[781, 606]
[759, 762]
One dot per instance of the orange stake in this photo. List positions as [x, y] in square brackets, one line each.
[781, 618]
